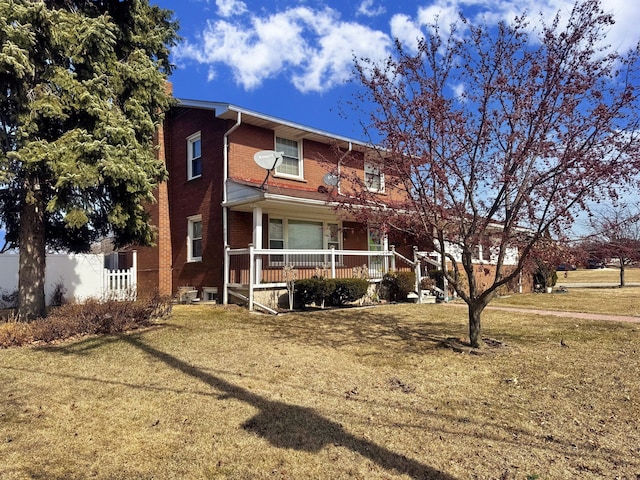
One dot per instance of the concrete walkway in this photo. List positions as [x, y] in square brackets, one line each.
[579, 315]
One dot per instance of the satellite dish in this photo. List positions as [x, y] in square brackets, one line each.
[330, 179]
[268, 159]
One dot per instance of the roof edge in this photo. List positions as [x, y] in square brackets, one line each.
[221, 108]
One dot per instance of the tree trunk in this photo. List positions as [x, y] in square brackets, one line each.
[31, 300]
[475, 312]
[621, 273]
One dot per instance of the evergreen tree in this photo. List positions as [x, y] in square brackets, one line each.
[82, 92]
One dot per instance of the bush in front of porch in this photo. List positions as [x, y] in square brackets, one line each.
[329, 291]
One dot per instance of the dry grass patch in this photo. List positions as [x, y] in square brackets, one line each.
[615, 301]
[358, 393]
[598, 275]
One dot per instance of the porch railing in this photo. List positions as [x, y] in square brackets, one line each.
[251, 268]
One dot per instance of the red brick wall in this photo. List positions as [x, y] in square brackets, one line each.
[245, 141]
[154, 263]
[200, 196]
[240, 229]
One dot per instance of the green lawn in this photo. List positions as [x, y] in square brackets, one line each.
[357, 393]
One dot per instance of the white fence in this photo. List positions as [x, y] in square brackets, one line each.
[81, 276]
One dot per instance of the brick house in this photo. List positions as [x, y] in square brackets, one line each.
[226, 228]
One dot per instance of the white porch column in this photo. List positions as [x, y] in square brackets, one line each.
[257, 227]
[257, 243]
[251, 277]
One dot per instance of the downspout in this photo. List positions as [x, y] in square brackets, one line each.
[340, 163]
[225, 209]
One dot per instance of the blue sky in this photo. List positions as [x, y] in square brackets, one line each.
[293, 59]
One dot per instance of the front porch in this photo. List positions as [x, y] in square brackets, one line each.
[252, 270]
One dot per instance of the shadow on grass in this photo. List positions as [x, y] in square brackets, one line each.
[295, 427]
[406, 328]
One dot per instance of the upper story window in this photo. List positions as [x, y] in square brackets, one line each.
[373, 177]
[292, 159]
[194, 239]
[194, 156]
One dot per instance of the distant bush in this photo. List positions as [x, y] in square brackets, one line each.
[89, 318]
[399, 284]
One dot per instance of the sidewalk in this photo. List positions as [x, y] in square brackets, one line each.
[579, 315]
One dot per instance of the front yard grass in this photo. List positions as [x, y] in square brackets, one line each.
[615, 301]
[356, 393]
[599, 275]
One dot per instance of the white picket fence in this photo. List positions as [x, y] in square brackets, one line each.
[81, 276]
[121, 284]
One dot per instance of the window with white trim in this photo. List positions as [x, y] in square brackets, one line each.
[289, 233]
[375, 240]
[373, 177]
[194, 239]
[194, 156]
[291, 165]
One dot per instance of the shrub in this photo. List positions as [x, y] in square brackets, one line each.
[336, 291]
[88, 318]
[345, 290]
[399, 284]
[312, 290]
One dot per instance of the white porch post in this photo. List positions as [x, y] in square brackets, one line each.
[252, 272]
[418, 270]
[333, 262]
[225, 284]
[386, 257]
[257, 243]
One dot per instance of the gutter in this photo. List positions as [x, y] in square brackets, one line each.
[225, 209]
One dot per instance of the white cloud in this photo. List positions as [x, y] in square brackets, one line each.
[228, 8]
[406, 30]
[622, 35]
[314, 48]
[367, 8]
[332, 61]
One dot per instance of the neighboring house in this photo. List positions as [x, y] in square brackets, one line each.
[226, 230]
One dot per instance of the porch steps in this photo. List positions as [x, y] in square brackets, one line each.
[255, 304]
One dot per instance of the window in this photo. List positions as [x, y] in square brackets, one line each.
[194, 156]
[373, 178]
[302, 234]
[333, 236]
[291, 165]
[376, 244]
[194, 239]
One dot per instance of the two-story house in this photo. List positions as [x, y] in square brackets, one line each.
[219, 201]
[227, 225]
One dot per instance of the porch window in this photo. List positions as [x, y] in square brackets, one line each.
[194, 239]
[194, 156]
[376, 244]
[302, 235]
[291, 160]
[373, 177]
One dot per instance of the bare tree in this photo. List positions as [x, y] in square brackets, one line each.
[615, 235]
[496, 136]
